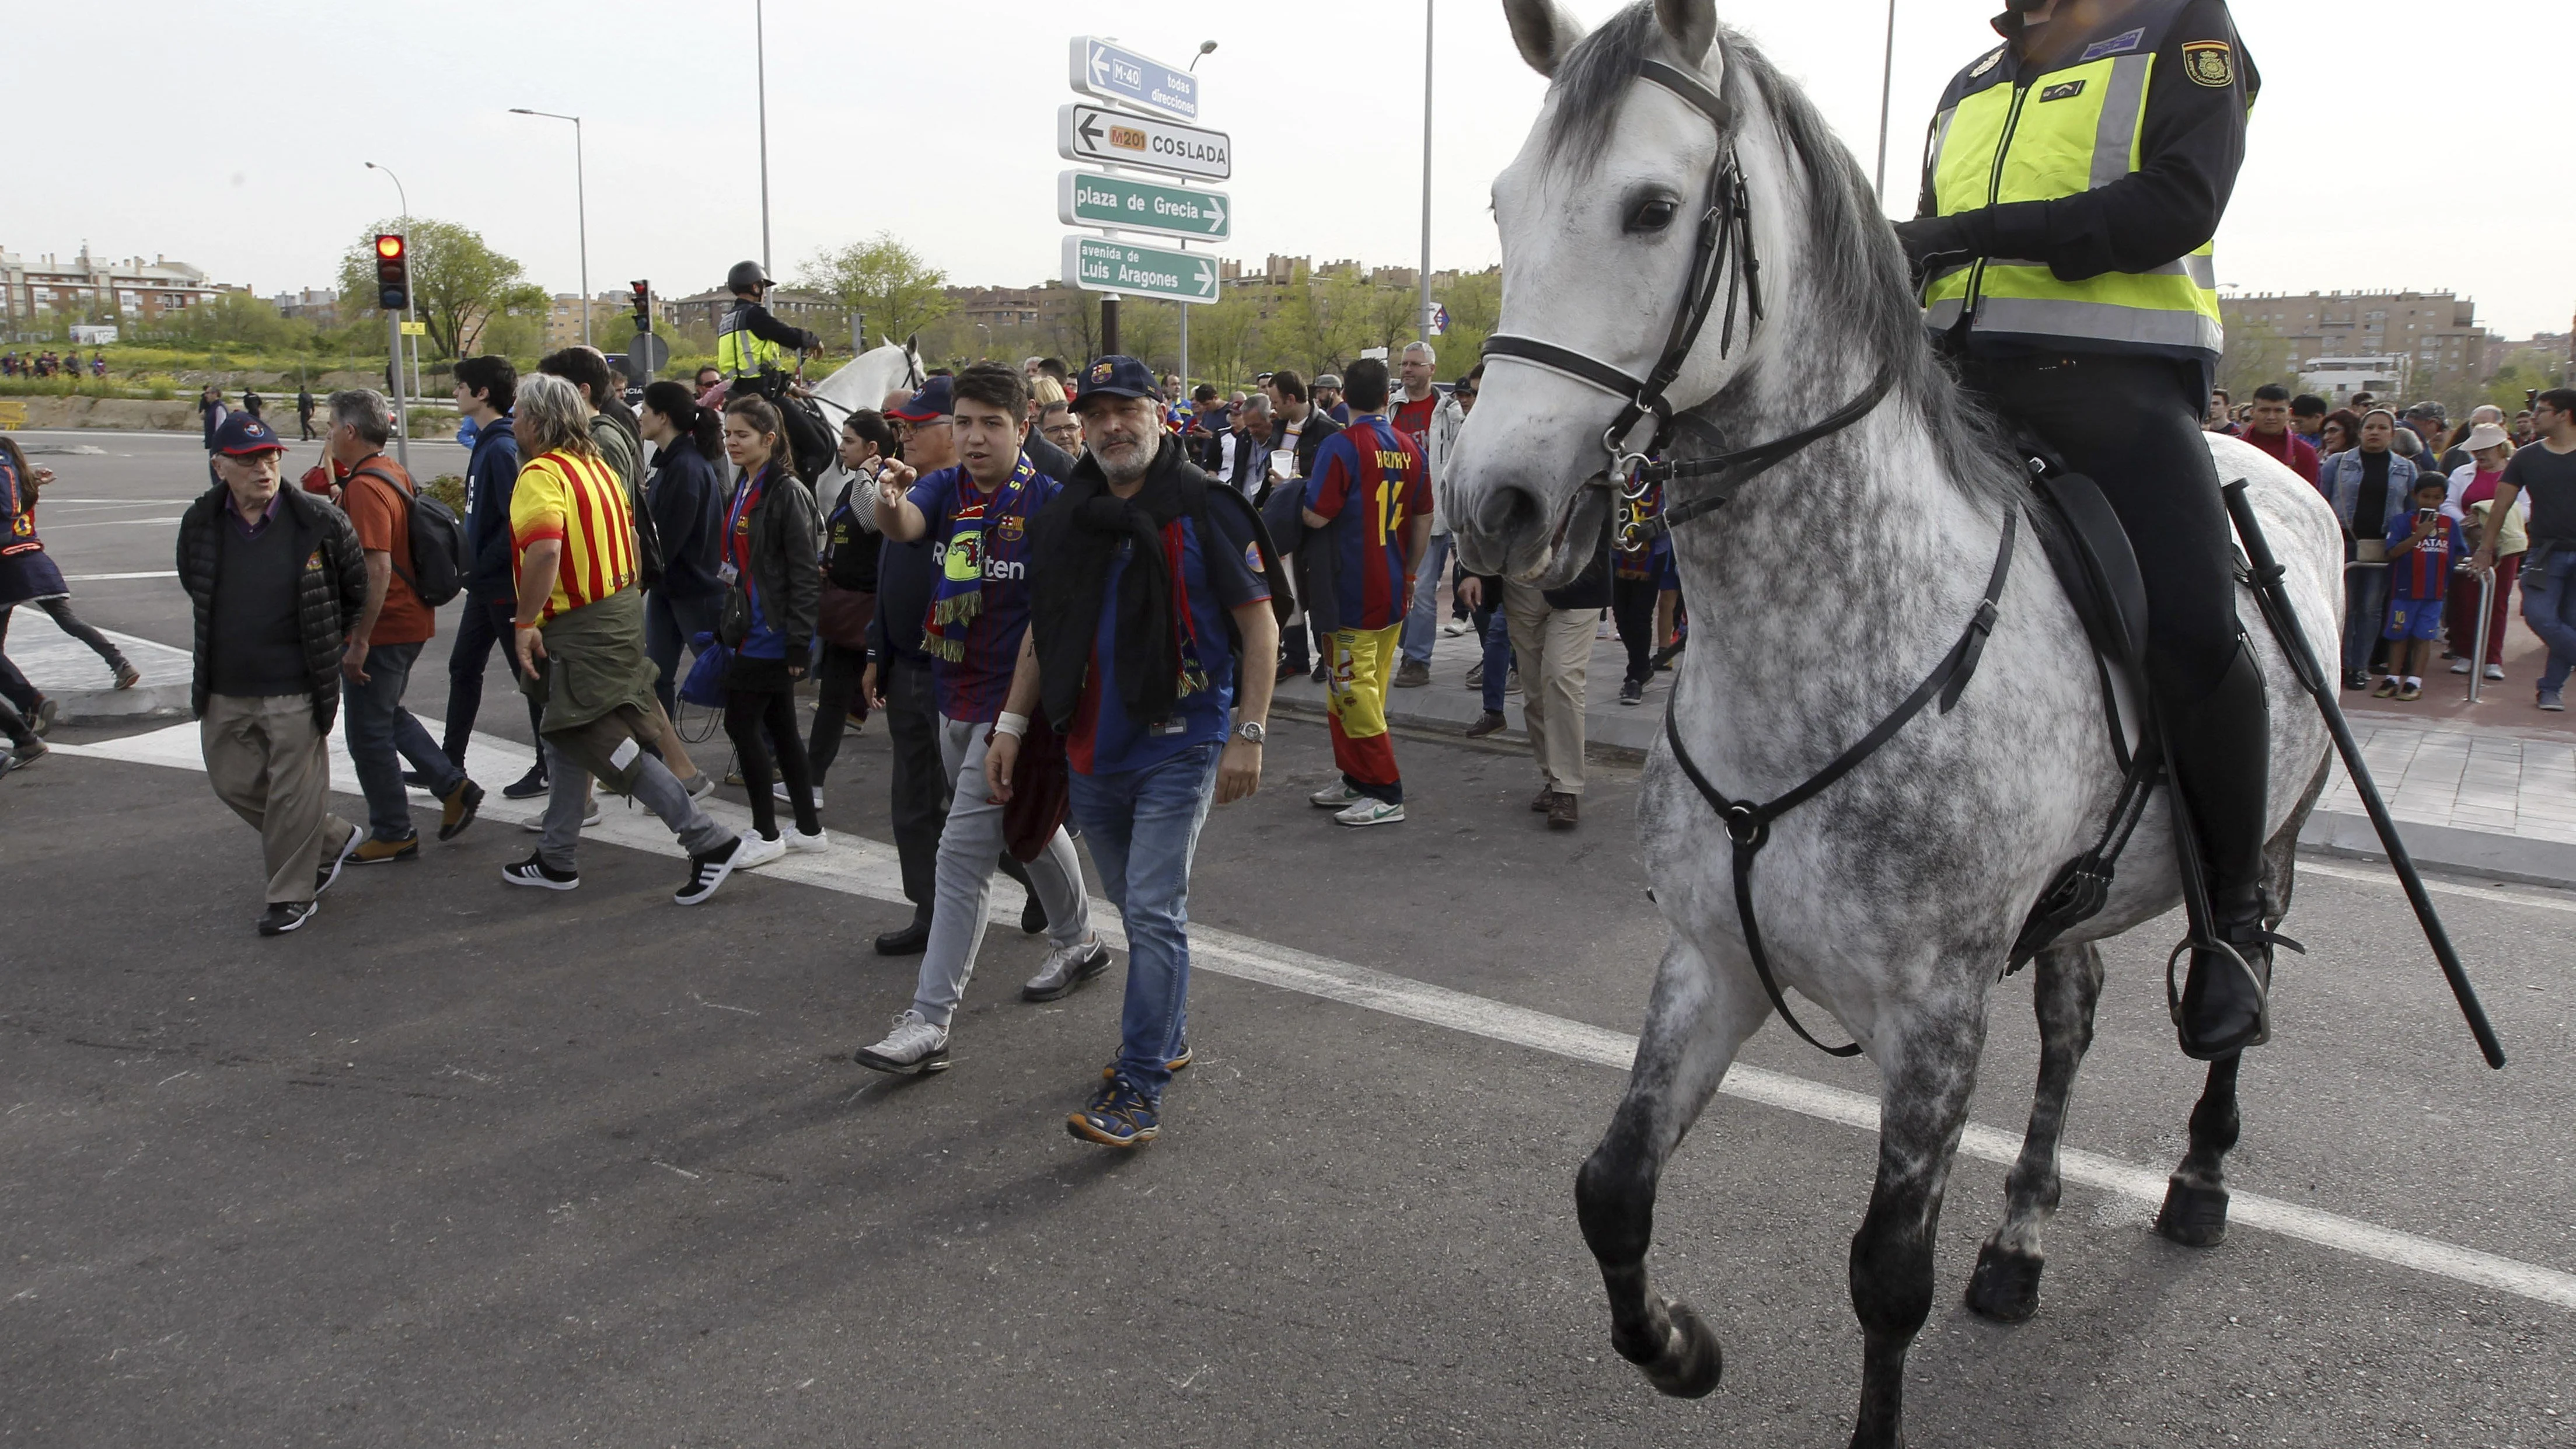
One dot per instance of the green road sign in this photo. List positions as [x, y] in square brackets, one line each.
[1098, 264]
[1089, 198]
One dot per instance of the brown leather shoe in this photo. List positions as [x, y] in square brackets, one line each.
[1563, 812]
[1487, 723]
[1544, 800]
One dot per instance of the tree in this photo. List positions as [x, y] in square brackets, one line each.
[1393, 315]
[1475, 303]
[1070, 319]
[458, 283]
[2257, 353]
[882, 280]
[234, 320]
[1224, 336]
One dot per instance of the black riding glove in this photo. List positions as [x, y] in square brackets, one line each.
[1933, 243]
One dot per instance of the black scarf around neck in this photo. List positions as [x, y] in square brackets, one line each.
[1072, 544]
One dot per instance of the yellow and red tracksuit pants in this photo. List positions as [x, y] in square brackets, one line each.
[1363, 662]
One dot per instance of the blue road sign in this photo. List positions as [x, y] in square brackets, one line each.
[1114, 73]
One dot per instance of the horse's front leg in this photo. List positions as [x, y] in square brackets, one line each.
[2066, 981]
[1696, 1020]
[1928, 1054]
[2195, 1210]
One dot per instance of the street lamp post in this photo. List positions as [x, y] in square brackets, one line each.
[760, 72]
[410, 311]
[1206, 48]
[1423, 321]
[581, 205]
[1886, 93]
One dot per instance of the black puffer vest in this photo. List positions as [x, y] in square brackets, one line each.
[329, 593]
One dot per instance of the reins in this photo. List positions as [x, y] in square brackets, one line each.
[1726, 236]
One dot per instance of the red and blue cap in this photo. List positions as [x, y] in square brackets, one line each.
[937, 399]
[241, 433]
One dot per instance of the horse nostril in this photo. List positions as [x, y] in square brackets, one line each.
[1507, 512]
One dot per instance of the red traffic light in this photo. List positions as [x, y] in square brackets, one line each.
[393, 272]
[389, 246]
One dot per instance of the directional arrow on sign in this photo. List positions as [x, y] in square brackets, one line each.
[1137, 203]
[1099, 264]
[1114, 73]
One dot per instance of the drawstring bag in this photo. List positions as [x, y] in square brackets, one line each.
[706, 682]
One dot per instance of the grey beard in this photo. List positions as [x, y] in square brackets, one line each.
[1117, 472]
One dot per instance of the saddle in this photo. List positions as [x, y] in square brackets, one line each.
[2088, 550]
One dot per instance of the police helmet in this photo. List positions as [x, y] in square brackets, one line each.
[745, 277]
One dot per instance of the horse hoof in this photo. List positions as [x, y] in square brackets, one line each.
[1690, 1364]
[2195, 1217]
[2005, 1287]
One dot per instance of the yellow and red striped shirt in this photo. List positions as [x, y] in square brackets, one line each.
[579, 501]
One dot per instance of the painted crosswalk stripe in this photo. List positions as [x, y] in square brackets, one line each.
[860, 867]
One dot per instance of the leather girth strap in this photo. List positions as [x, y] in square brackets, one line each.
[1748, 824]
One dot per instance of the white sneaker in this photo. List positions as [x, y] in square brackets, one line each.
[814, 844]
[539, 824]
[778, 792]
[1371, 811]
[2495, 671]
[1454, 628]
[1066, 967]
[913, 1047]
[1334, 796]
[2462, 667]
[759, 849]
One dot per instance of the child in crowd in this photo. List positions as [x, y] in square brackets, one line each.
[2423, 546]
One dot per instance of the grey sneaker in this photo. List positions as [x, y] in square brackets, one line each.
[1371, 811]
[1066, 968]
[2550, 702]
[1334, 796]
[1412, 674]
[588, 820]
[913, 1047]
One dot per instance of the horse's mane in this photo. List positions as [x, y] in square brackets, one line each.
[1858, 276]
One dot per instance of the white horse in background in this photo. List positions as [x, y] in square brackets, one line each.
[1819, 595]
[861, 382]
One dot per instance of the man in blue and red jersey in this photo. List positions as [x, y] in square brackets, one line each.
[1152, 580]
[1371, 493]
[976, 516]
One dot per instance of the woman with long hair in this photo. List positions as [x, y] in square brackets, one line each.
[2473, 490]
[28, 576]
[774, 593]
[2339, 433]
[686, 497]
[850, 544]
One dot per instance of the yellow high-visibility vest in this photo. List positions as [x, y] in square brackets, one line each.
[741, 354]
[2060, 133]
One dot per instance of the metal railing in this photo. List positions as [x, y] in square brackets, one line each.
[2486, 622]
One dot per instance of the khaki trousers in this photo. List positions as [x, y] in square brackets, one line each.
[1554, 648]
[267, 761]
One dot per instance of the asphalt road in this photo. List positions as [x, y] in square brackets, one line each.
[457, 1164]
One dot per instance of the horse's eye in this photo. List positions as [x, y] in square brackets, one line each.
[1650, 213]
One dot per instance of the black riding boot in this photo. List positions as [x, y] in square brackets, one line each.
[2221, 750]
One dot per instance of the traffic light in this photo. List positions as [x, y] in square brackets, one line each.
[643, 305]
[393, 272]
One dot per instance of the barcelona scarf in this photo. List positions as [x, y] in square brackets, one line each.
[959, 599]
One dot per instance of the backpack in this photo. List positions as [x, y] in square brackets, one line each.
[438, 553]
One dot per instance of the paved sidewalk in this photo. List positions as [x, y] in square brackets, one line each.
[64, 668]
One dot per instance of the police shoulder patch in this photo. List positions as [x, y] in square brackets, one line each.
[2209, 62]
[1993, 58]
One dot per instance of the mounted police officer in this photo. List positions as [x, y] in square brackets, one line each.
[750, 343]
[2075, 176]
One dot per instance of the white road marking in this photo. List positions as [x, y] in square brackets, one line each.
[110, 523]
[860, 867]
[2383, 876]
[109, 578]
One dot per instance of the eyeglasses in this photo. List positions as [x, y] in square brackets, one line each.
[905, 427]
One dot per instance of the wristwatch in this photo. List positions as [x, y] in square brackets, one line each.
[1251, 732]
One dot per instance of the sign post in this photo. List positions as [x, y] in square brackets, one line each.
[1139, 124]
[1121, 138]
[1105, 264]
[1116, 74]
[1133, 203]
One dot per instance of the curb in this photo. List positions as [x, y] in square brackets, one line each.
[2511, 858]
[69, 674]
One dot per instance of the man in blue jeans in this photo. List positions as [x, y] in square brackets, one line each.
[2546, 470]
[385, 640]
[1134, 662]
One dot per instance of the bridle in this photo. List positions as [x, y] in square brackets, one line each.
[1722, 256]
[1726, 235]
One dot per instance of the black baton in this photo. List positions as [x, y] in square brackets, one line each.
[2294, 642]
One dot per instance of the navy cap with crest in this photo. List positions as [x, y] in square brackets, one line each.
[241, 433]
[1116, 376]
[937, 399]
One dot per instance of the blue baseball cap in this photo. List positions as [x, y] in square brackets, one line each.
[935, 400]
[1116, 376]
[241, 433]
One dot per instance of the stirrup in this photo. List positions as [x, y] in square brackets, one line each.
[2262, 988]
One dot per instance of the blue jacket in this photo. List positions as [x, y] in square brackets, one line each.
[491, 474]
[2339, 478]
[687, 501]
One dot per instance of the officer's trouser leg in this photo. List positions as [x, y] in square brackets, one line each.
[2132, 425]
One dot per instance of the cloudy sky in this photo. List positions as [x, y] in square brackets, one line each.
[2396, 146]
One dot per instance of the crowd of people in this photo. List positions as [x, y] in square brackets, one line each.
[2437, 517]
[49, 363]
